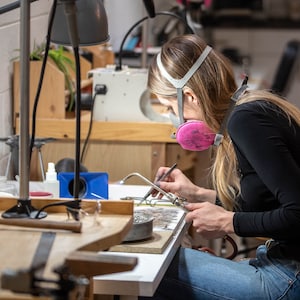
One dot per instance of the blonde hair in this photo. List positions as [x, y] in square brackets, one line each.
[214, 84]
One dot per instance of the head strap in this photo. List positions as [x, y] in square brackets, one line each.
[180, 83]
[233, 100]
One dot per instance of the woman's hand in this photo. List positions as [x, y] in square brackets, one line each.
[178, 184]
[210, 221]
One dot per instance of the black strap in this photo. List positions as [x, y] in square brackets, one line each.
[234, 98]
[42, 252]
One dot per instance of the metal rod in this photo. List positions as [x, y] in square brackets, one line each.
[24, 99]
[145, 44]
[6, 8]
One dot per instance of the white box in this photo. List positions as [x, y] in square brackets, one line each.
[127, 97]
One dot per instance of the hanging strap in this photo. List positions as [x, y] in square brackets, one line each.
[234, 98]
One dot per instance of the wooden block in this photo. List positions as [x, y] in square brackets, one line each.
[91, 264]
[155, 245]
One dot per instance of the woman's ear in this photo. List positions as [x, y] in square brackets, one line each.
[190, 96]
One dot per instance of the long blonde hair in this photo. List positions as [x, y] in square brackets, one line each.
[213, 83]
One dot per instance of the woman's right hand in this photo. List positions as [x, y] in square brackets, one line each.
[178, 184]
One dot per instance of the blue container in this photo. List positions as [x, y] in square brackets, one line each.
[93, 185]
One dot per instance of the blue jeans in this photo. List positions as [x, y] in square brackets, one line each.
[195, 275]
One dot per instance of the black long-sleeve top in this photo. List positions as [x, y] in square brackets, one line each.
[268, 152]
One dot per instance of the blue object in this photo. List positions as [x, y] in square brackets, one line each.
[93, 185]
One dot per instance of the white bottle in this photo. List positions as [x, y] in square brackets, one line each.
[51, 184]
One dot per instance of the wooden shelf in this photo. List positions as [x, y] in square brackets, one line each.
[104, 131]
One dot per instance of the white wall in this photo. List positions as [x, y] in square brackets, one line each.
[10, 42]
[265, 48]
[121, 15]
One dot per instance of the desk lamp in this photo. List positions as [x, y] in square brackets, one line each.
[86, 21]
[76, 22]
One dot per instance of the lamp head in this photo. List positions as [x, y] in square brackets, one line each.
[91, 23]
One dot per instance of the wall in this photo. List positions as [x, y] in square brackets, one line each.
[120, 18]
[264, 47]
[10, 42]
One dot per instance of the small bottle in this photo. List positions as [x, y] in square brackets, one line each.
[51, 184]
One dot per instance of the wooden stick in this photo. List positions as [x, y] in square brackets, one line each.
[92, 263]
[59, 225]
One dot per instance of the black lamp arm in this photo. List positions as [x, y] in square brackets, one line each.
[6, 8]
[164, 13]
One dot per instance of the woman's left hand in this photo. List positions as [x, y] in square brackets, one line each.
[211, 221]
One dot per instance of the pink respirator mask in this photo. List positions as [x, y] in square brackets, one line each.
[195, 136]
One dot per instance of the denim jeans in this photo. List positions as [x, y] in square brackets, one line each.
[195, 275]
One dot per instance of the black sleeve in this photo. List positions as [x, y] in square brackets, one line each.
[271, 147]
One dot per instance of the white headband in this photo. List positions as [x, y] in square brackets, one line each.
[180, 83]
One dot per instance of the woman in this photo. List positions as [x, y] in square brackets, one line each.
[255, 175]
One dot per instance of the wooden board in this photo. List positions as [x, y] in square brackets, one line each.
[154, 245]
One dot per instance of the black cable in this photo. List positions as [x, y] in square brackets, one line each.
[78, 124]
[40, 83]
[163, 13]
[89, 130]
[6, 8]
[68, 204]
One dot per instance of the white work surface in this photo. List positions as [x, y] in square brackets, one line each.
[145, 278]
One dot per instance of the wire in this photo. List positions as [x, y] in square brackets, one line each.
[78, 124]
[164, 13]
[40, 83]
[68, 204]
[225, 238]
[84, 148]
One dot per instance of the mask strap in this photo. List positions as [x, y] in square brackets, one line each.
[234, 98]
[180, 83]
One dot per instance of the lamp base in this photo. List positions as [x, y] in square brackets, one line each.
[23, 209]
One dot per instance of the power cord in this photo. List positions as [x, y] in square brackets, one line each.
[40, 83]
[100, 89]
